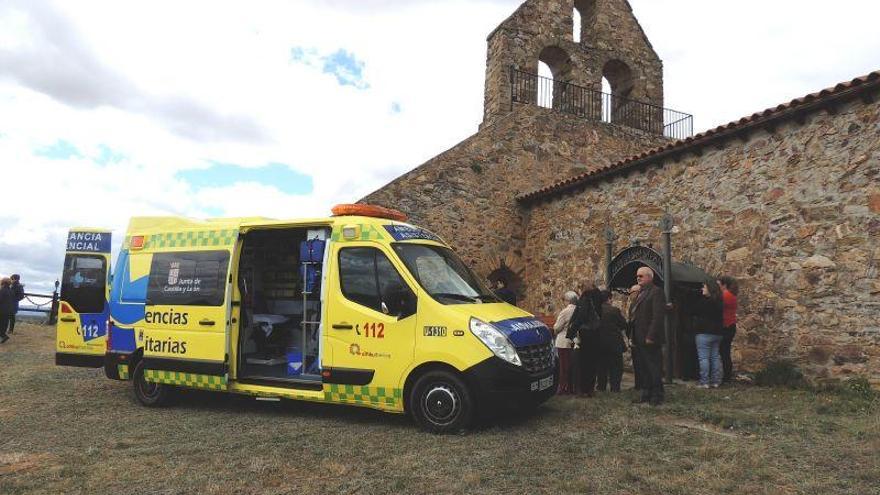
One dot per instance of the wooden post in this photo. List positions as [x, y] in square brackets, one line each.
[666, 224]
[53, 310]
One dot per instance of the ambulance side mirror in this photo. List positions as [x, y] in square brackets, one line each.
[399, 300]
[409, 305]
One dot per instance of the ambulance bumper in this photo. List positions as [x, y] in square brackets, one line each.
[79, 360]
[116, 365]
[500, 387]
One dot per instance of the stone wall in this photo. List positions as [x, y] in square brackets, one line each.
[612, 44]
[793, 213]
[467, 195]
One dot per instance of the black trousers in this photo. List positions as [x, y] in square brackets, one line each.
[588, 357]
[610, 370]
[651, 357]
[11, 323]
[726, 343]
[4, 323]
[637, 366]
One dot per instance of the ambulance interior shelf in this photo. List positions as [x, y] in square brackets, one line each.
[280, 286]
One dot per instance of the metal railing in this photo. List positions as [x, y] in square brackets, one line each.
[48, 306]
[533, 89]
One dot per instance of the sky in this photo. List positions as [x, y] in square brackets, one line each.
[282, 109]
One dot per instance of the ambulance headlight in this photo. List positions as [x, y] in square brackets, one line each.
[496, 341]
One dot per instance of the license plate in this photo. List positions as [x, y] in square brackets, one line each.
[542, 384]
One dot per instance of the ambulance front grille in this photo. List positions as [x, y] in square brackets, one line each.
[536, 358]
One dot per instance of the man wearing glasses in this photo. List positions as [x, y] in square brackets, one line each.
[646, 314]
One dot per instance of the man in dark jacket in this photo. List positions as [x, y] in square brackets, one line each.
[18, 295]
[612, 326]
[647, 314]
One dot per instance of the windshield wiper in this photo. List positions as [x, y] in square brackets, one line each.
[459, 297]
[488, 298]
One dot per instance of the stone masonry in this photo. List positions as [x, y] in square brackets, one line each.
[792, 212]
[467, 195]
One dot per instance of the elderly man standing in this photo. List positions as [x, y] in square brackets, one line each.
[633, 350]
[646, 315]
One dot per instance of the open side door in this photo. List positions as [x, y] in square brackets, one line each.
[81, 332]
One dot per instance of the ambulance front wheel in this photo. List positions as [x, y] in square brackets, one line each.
[148, 393]
[441, 402]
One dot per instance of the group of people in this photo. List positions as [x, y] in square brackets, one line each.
[592, 336]
[11, 293]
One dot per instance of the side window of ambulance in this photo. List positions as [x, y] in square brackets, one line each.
[188, 279]
[83, 282]
[368, 278]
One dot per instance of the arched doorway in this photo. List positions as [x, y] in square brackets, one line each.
[511, 279]
[622, 269]
[686, 282]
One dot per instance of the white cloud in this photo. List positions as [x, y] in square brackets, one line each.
[174, 85]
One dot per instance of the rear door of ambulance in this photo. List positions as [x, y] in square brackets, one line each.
[81, 332]
[185, 331]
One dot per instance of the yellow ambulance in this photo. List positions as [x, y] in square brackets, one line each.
[360, 308]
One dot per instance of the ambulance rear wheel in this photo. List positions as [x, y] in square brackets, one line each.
[149, 394]
[441, 403]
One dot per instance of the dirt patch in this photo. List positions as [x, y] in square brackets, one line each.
[17, 462]
[707, 428]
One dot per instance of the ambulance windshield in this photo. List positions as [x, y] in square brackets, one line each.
[440, 272]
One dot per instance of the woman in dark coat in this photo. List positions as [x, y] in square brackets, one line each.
[708, 327]
[585, 326]
[612, 327]
[7, 307]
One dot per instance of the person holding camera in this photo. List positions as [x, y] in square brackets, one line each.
[709, 330]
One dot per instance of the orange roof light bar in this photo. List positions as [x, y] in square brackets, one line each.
[372, 211]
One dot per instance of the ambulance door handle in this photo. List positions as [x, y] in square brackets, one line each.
[342, 326]
[68, 319]
[206, 322]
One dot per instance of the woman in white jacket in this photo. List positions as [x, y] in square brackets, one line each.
[564, 345]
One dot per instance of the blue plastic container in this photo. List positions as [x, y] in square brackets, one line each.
[294, 362]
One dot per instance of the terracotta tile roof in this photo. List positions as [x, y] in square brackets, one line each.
[794, 109]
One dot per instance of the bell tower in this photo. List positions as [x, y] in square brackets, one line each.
[611, 45]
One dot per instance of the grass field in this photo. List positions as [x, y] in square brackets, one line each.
[66, 430]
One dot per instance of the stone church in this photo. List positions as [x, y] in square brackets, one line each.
[787, 200]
